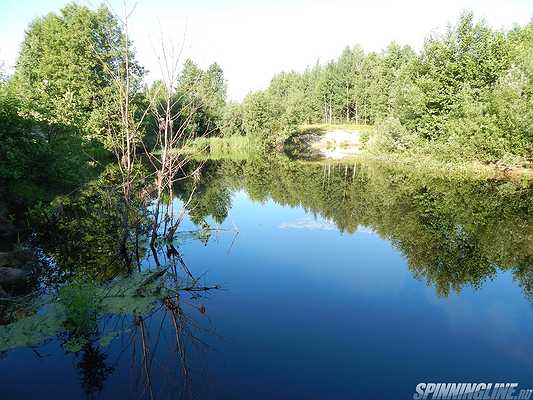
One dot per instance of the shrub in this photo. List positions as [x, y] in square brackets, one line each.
[390, 135]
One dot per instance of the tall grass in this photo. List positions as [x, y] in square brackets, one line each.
[234, 147]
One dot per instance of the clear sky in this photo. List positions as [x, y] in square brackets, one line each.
[252, 40]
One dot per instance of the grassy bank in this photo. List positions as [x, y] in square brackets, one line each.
[323, 128]
[428, 162]
[232, 147]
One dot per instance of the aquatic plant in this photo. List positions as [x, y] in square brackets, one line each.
[77, 308]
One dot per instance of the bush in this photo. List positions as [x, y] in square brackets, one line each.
[263, 120]
[390, 135]
[232, 120]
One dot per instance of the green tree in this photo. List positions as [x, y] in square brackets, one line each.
[31, 167]
[467, 95]
[201, 98]
[232, 120]
[262, 118]
[67, 68]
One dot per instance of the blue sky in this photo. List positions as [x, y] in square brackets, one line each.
[252, 40]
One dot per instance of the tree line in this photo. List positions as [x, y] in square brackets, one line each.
[468, 94]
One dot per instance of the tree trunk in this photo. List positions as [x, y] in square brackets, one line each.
[347, 105]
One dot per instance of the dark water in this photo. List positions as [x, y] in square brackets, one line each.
[337, 282]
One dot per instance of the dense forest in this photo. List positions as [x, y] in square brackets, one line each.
[468, 94]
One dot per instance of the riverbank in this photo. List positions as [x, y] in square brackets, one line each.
[349, 142]
[330, 141]
[345, 143]
[427, 165]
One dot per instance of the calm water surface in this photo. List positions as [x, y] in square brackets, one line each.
[336, 283]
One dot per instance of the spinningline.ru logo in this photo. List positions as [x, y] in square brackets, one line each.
[474, 391]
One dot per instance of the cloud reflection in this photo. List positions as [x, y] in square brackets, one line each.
[308, 223]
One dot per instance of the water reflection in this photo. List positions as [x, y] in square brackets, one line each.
[93, 370]
[110, 269]
[454, 233]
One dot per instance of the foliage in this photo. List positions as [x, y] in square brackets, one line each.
[201, 97]
[32, 167]
[81, 305]
[467, 95]
[58, 107]
[233, 120]
[67, 68]
[262, 119]
[391, 136]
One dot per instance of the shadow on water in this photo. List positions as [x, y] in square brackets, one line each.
[112, 298]
[100, 283]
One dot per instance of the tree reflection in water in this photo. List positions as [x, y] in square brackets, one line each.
[453, 231]
[103, 282]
